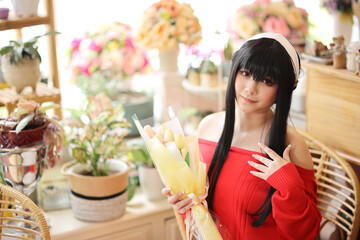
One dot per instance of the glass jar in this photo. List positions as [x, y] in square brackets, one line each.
[352, 51]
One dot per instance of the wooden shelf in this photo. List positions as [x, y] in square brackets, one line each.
[333, 108]
[9, 97]
[17, 23]
[330, 70]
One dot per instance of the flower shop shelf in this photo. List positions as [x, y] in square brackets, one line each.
[23, 22]
[9, 98]
[333, 108]
[43, 93]
[143, 219]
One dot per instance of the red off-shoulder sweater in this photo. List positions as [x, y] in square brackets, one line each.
[238, 193]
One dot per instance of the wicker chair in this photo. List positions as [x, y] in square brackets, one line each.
[30, 221]
[338, 192]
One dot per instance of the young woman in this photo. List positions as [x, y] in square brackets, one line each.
[260, 170]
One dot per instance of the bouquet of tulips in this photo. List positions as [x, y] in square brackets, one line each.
[177, 158]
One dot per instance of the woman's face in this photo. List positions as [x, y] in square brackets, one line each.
[254, 96]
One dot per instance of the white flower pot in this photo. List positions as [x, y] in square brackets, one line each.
[150, 183]
[25, 8]
[21, 74]
[169, 59]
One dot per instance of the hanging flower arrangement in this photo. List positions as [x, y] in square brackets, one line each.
[269, 16]
[167, 23]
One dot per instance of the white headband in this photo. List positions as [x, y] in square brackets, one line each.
[286, 44]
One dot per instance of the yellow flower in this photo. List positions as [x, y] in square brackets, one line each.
[278, 9]
[294, 18]
[113, 45]
[245, 27]
[167, 23]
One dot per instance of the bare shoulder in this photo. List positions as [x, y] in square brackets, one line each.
[299, 153]
[211, 126]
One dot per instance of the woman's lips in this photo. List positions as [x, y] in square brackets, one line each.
[247, 100]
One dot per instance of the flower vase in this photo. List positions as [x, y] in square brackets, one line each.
[169, 59]
[356, 9]
[343, 26]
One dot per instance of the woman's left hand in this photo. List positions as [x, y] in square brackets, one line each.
[269, 166]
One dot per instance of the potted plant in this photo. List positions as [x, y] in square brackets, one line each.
[20, 63]
[208, 73]
[105, 60]
[25, 8]
[30, 124]
[150, 181]
[98, 176]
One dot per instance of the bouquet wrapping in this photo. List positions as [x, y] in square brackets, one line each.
[177, 158]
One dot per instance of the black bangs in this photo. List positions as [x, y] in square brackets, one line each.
[264, 59]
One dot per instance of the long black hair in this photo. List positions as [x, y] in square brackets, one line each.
[263, 57]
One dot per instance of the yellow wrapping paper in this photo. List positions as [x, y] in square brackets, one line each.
[178, 176]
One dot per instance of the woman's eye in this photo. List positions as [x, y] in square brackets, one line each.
[244, 73]
[268, 82]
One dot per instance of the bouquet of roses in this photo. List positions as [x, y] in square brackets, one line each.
[177, 158]
[167, 23]
[269, 16]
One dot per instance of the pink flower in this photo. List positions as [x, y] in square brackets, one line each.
[95, 47]
[85, 70]
[129, 43]
[303, 12]
[251, 13]
[75, 44]
[276, 25]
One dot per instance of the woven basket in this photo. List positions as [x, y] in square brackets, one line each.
[98, 198]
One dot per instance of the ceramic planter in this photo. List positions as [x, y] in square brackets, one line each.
[209, 80]
[150, 182]
[11, 139]
[21, 74]
[141, 105]
[100, 198]
[25, 8]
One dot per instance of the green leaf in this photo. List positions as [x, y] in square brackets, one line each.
[43, 109]
[6, 50]
[80, 154]
[15, 43]
[133, 182]
[187, 159]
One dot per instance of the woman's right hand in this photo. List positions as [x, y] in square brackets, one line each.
[180, 206]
